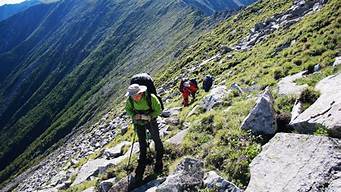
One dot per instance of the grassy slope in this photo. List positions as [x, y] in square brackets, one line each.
[215, 136]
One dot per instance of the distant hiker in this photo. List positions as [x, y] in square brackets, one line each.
[207, 83]
[188, 87]
[144, 108]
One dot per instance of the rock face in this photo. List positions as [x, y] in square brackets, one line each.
[215, 97]
[261, 119]
[214, 181]
[188, 174]
[294, 162]
[286, 86]
[325, 111]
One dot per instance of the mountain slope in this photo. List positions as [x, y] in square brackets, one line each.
[210, 7]
[215, 136]
[63, 71]
[9, 10]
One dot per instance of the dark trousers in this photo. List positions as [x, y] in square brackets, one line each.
[141, 134]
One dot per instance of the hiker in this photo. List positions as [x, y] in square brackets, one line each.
[144, 108]
[207, 83]
[188, 87]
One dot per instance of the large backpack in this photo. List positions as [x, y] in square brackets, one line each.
[207, 83]
[194, 81]
[146, 80]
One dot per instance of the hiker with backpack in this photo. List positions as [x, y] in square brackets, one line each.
[188, 87]
[144, 106]
[207, 83]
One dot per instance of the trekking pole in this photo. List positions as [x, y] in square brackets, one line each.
[131, 151]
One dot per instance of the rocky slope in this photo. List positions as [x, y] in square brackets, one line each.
[210, 129]
[70, 61]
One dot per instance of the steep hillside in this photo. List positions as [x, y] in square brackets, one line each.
[210, 7]
[256, 48]
[65, 67]
[9, 10]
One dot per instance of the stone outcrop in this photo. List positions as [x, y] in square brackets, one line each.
[188, 174]
[179, 137]
[105, 186]
[295, 162]
[286, 86]
[215, 97]
[215, 182]
[262, 118]
[325, 111]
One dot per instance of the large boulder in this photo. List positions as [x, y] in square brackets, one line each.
[188, 175]
[215, 182]
[262, 118]
[287, 86]
[98, 166]
[296, 162]
[215, 97]
[179, 137]
[325, 111]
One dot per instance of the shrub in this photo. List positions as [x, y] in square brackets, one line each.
[308, 97]
[283, 120]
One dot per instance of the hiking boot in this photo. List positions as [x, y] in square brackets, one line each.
[158, 169]
[134, 183]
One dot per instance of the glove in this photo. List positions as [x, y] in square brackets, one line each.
[137, 117]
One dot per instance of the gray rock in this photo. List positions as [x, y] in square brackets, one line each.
[294, 162]
[171, 112]
[286, 86]
[194, 111]
[262, 118]
[214, 181]
[325, 111]
[317, 67]
[296, 110]
[215, 97]
[98, 166]
[188, 174]
[115, 151]
[122, 185]
[173, 120]
[150, 186]
[105, 186]
[124, 129]
[90, 189]
[237, 87]
[337, 61]
[178, 138]
[225, 49]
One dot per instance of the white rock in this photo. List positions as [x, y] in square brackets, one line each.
[296, 162]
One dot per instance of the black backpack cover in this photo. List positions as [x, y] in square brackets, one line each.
[146, 80]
